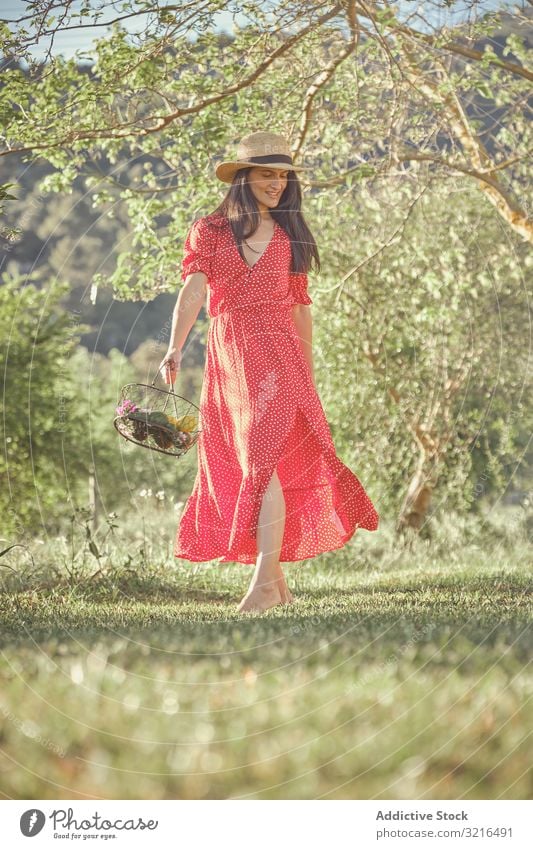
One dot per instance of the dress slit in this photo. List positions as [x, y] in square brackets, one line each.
[252, 491]
[263, 490]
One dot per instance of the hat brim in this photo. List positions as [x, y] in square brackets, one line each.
[225, 171]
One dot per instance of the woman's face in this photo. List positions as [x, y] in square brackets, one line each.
[267, 185]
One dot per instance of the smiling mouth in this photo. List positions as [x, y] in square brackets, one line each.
[273, 196]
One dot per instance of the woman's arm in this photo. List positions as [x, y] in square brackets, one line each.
[303, 321]
[188, 305]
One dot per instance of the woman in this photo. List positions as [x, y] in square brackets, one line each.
[269, 486]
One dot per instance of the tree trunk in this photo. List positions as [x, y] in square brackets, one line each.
[416, 503]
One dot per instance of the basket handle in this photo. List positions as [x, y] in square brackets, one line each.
[169, 391]
[155, 378]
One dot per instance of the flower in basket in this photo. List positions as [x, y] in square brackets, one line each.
[126, 407]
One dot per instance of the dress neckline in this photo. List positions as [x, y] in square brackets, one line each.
[234, 243]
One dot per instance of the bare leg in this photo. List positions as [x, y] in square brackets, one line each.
[268, 586]
[270, 534]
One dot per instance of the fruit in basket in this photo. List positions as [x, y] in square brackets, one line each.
[157, 418]
[162, 438]
[166, 431]
[177, 440]
[139, 431]
[182, 439]
[139, 415]
[182, 436]
[184, 423]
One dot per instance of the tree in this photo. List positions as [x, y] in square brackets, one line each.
[352, 73]
[57, 410]
[37, 400]
[423, 361]
[382, 104]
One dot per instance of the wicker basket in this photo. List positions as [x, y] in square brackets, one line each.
[157, 418]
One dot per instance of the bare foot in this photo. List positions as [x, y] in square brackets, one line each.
[284, 591]
[260, 597]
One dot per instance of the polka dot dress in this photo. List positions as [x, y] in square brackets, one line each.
[260, 413]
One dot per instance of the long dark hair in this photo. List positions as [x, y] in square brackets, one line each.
[239, 208]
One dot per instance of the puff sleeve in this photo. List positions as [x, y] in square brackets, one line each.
[197, 250]
[298, 286]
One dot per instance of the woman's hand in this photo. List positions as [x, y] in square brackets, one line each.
[170, 365]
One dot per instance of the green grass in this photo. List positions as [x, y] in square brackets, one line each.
[398, 673]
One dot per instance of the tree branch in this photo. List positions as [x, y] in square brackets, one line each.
[162, 121]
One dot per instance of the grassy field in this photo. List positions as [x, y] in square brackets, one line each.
[398, 672]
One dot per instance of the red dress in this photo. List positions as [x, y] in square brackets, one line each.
[260, 412]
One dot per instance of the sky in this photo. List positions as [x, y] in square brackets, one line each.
[67, 43]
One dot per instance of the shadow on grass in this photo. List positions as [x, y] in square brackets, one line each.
[169, 618]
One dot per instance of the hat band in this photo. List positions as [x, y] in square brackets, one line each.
[270, 157]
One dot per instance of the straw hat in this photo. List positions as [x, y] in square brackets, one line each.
[260, 148]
